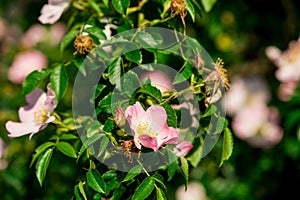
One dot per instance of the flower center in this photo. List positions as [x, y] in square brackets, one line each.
[40, 116]
[144, 129]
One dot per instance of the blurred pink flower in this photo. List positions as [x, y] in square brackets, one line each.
[35, 116]
[195, 191]
[183, 148]
[33, 35]
[288, 63]
[57, 33]
[258, 125]
[158, 79]
[52, 11]
[3, 150]
[253, 120]
[38, 33]
[149, 128]
[245, 90]
[24, 63]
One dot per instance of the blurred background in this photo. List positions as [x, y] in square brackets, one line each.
[258, 42]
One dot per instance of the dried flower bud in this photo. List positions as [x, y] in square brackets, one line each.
[178, 7]
[83, 44]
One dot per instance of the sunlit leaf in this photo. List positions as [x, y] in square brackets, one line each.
[144, 189]
[227, 145]
[42, 165]
[95, 181]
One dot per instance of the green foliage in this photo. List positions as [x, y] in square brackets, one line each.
[42, 164]
[34, 79]
[144, 189]
[59, 81]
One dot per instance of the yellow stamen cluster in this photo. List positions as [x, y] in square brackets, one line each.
[83, 44]
[222, 73]
[40, 116]
[143, 129]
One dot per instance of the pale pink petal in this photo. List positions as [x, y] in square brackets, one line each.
[17, 129]
[157, 116]
[135, 113]
[51, 13]
[33, 97]
[149, 142]
[158, 79]
[168, 135]
[50, 102]
[27, 115]
[183, 148]
[273, 53]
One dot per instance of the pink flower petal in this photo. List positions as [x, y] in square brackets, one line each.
[51, 13]
[134, 114]
[17, 129]
[27, 115]
[157, 116]
[183, 148]
[149, 142]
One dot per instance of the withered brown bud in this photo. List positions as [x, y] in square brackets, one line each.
[178, 7]
[83, 44]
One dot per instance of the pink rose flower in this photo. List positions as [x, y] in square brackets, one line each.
[159, 80]
[24, 63]
[52, 11]
[149, 128]
[258, 125]
[288, 63]
[34, 117]
[183, 148]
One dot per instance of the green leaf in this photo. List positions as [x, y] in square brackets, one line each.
[208, 4]
[112, 184]
[185, 73]
[172, 117]
[118, 193]
[185, 169]
[40, 149]
[80, 66]
[130, 83]
[190, 8]
[114, 71]
[59, 81]
[81, 190]
[160, 195]
[160, 181]
[210, 110]
[95, 181]
[97, 32]
[105, 104]
[33, 80]
[69, 136]
[95, 6]
[221, 124]
[69, 37]
[146, 40]
[121, 6]
[133, 173]
[172, 168]
[144, 189]
[77, 193]
[134, 56]
[42, 165]
[66, 149]
[151, 91]
[93, 129]
[227, 145]
[103, 145]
